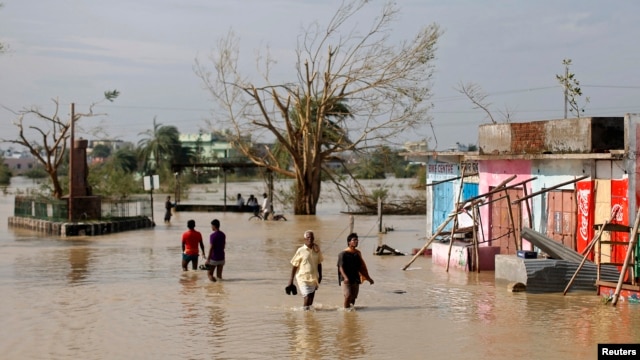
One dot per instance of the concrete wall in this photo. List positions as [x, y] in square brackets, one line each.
[90, 228]
[462, 257]
[570, 136]
[494, 138]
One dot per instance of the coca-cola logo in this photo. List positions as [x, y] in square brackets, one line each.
[583, 212]
[616, 213]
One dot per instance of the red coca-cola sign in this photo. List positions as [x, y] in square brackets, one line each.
[584, 197]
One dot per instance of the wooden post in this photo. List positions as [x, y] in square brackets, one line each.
[453, 231]
[589, 248]
[476, 259]
[444, 223]
[71, 161]
[513, 225]
[526, 203]
[224, 171]
[437, 232]
[633, 238]
[455, 220]
[379, 215]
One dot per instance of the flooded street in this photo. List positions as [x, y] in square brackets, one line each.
[124, 296]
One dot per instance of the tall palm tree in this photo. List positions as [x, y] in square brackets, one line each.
[125, 159]
[161, 145]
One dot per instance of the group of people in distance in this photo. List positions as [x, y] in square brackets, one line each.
[306, 263]
[252, 203]
[215, 259]
[307, 270]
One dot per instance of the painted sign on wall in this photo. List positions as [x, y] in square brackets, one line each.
[586, 207]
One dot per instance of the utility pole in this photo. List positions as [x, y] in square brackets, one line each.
[566, 88]
[71, 150]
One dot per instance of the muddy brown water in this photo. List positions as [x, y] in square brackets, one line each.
[124, 296]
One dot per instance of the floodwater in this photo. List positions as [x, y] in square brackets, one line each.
[124, 296]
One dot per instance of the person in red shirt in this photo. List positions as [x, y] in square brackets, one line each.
[190, 241]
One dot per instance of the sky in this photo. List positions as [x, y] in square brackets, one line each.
[74, 50]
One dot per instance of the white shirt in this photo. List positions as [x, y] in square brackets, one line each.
[266, 204]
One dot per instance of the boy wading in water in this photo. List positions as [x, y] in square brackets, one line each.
[215, 260]
[190, 241]
[352, 270]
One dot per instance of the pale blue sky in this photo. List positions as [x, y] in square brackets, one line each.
[76, 49]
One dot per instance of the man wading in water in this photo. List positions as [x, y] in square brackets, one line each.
[351, 271]
[307, 268]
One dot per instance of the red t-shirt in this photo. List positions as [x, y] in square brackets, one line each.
[191, 239]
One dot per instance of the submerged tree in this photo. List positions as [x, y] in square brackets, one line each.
[353, 91]
[46, 136]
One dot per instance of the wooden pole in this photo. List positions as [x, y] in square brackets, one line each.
[480, 224]
[380, 215]
[224, 175]
[524, 188]
[551, 188]
[437, 232]
[71, 160]
[455, 220]
[633, 238]
[595, 239]
[476, 259]
[453, 231]
[513, 225]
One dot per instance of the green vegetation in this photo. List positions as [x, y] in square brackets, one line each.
[35, 173]
[5, 173]
[383, 161]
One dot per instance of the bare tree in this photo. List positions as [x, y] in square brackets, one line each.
[474, 93]
[45, 136]
[3, 47]
[386, 88]
[477, 96]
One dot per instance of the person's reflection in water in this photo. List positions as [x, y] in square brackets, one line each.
[351, 340]
[306, 335]
[79, 261]
[191, 309]
[216, 328]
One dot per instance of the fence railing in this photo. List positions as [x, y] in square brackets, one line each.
[39, 207]
[124, 208]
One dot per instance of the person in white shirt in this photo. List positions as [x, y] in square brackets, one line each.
[252, 203]
[240, 203]
[266, 207]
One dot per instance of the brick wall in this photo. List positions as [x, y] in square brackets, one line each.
[528, 138]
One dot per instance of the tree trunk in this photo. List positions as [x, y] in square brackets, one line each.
[55, 182]
[307, 194]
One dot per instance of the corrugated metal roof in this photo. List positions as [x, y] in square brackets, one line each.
[553, 275]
